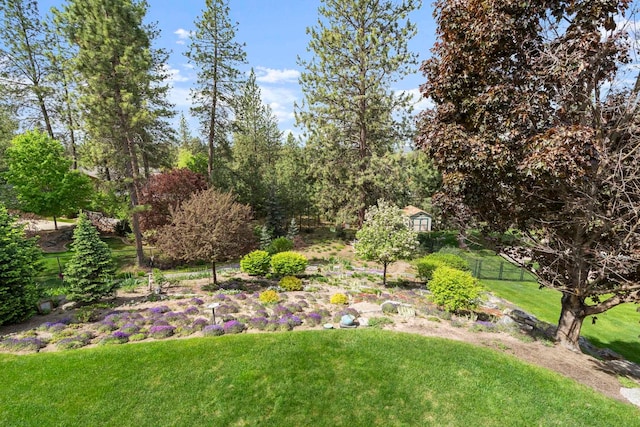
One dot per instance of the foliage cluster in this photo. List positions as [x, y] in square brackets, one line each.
[339, 299]
[269, 296]
[427, 265]
[19, 264]
[288, 263]
[290, 283]
[256, 263]
[280, 244]
[454, 289]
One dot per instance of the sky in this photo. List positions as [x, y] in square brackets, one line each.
[274, 34]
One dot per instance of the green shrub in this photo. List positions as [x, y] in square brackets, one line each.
[269, 297]
[427, 265]
[380, 322]
[281, 244]
[256, 263]
[454, 289]
[288, 263]
[291, 283]
[340, 299]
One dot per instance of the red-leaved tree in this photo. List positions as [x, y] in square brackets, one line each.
[534, 129]
[166, 191]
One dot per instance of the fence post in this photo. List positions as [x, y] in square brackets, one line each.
[501, 270]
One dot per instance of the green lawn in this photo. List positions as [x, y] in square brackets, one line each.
[319, 378]
[617, 329]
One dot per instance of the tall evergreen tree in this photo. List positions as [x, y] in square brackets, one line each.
[256, 146]
[24, 62]
[89, 273]
[122, 91]
[359, 49]
[216, 55]
[19, 258]
[294, 182]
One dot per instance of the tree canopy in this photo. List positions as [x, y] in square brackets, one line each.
[386, 236]
[530, 134]
[42, 177]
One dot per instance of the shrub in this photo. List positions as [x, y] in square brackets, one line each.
[313, 319]
[233, 327]
[380, 322]
[161, 331]
[256, 263]
[281, 244]
[213, 331]
[340, 299]
[427, 265]
[259, 323]
[269, 297]
[288, 263]
[454, 289]
[199, 324]
[290, 283]
[138, 337]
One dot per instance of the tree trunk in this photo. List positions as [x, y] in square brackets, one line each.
[570, 322]
[55, 223]
[384, 274]
[213, 272]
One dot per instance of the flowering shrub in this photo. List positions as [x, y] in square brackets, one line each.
[233, 327]
[290, 283]
[159, 309]
[176, 318]
[313, 319]
[294, 307]
[347, 311]
[21, 344]
[118, 337]
[288, 263]
[483, 326]
[161, 331]
[130, 328]
[138, 337]
[269, 297]
[196, 301]
[293, 320]
[52, 326]
[259, 323]
[191, 310]
[241, 296]
[280, 310]
[160, 322]
[227, 308]
[220, 297]
[213, 331]
[183, 331]
[199, 324]
[255, 263]
[340, 299]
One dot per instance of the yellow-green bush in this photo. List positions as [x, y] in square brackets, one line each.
[269, 297]
[339, 299]
[454, 289]
[428, 264]
[291, 283]
[256, 263]
[288, 263]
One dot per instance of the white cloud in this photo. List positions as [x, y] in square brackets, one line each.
[182, 35]
[174, 75]
[270, 75]
[418, 101]
[281, 100]
[180, 97]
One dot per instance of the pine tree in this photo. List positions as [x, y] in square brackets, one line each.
[24, 62]
[359, 49]
[216, 55]
[122, 94]
[89, 273]
[19, 258]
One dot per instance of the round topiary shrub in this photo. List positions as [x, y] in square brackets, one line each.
[269, 297]
[213, 331]
[233, 327]
[290, 283]
[256, 263]
[288, 263]
[340, 299]
[454, 289]
[281, 244]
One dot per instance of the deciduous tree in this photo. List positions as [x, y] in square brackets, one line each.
[359, 49]
[530, 133]
[210, 226]
[42, 178]
[386, 236]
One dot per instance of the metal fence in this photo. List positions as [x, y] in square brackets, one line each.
[502, 270]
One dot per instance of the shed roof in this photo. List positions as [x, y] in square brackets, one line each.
[413, 211]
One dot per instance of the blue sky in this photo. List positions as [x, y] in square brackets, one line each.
[274, 32]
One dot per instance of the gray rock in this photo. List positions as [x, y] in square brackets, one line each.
[69, 306]
[390, 307]
[631, 394]
[522, 317]
[363, 321]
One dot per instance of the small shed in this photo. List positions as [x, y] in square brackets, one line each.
[420, 220]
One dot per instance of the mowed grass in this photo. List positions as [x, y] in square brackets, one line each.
[617, 329]
[319, 378]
